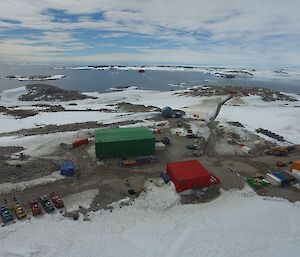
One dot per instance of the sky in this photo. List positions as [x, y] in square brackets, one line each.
[190, 32]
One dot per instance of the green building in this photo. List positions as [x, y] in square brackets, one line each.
[123, 142]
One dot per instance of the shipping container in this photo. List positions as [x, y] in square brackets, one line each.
[188, 175]
[296, 174]
[296, 165]
[289, 175]
[273, 180]
[80, 142]
[123, 142]
[67, 169]
[282, 177]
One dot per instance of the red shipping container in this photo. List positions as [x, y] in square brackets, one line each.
[188, 174]
[80, 142]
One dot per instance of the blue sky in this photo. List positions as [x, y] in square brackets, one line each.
[195, 32]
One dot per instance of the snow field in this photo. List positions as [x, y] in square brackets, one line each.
[274, 116]
[134, 96]
[238, 223]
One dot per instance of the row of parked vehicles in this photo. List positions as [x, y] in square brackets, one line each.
[20, 212]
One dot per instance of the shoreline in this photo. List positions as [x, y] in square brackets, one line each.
[155, 79]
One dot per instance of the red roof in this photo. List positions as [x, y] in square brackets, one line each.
[188, 174]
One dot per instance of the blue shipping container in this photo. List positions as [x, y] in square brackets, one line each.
[67, 169]
[282, 177]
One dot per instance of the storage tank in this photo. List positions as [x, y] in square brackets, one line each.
[167, 112]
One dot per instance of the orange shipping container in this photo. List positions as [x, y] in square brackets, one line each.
[80, 142]
[296, 165]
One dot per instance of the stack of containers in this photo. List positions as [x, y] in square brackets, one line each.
[279, 178]
[296, 169]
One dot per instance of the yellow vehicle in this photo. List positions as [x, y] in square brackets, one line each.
[19, 210]
[277, 151]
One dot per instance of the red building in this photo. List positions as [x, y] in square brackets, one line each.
[190, 174]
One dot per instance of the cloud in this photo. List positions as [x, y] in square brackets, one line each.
[170, 31]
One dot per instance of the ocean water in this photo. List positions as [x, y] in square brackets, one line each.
[103, 80]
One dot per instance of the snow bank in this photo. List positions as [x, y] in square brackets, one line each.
[13, 94]
[39, 145]
[6, 188]
[83, 199]
[205, 108]
[158, 197]
[238, 223]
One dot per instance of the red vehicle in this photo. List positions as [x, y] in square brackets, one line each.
[57, 201]
[35, 208]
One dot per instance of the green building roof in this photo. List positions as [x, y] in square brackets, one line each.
[122, 134]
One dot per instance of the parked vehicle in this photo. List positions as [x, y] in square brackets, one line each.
[5, 214]
[35, 207]
[57, 201]
[192, 147]
[19, 210]
[48, 206]
[166, 141]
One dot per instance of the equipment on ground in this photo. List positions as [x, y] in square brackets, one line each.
[190, 134]
[280, 164]
[139, 161]
[165, 177]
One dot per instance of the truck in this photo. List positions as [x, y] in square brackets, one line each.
[35, 208]
[48, 206]
[57, 201]
[19, 210]
[5, 214]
